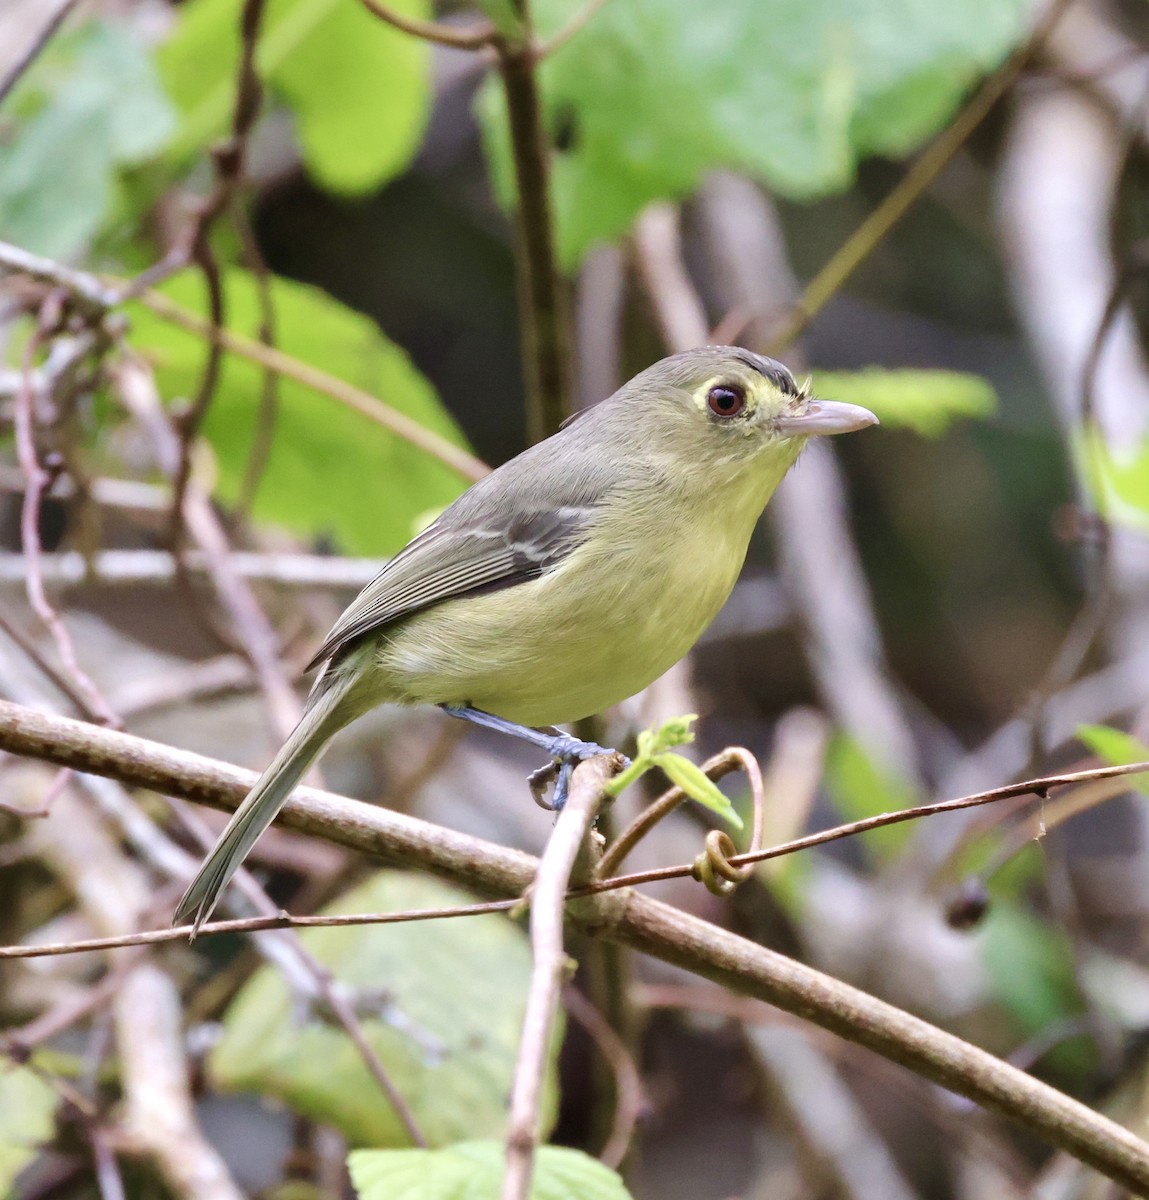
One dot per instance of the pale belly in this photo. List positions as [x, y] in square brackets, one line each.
[571, 643]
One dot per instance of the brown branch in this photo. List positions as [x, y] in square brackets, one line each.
[928, 166]
[88, 294]
[43, 36]
[268, 414]
[159, 1119]
[93, 296]
[474, 38]
[718, 767]
[36, 482]
[256, 636]
[574, 26]
[628, 918]
[629, 1099]
[128, 568]
[281, 920]
[228, 160]
[1032, 787]
[550, 965]
[403, 426]
[542, 307]
[59, 679]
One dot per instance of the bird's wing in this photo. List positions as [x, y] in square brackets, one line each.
[453, 559]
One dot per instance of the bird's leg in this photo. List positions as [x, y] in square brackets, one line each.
[565, 751]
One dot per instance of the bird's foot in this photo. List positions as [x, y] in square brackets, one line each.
[565, 750]
[566, 753]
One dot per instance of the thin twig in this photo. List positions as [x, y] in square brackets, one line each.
[89, 294]
[43, 36]
[674, 301]
[268, 415]
[550, 969]
[630, 919]
[348, 394]
[160, 1114]
[928, 166]
[36, 482]
[108, 1178]
[60, 679]
[281, 920]
[228, 160]
[725, 763]
[94, 296]
[474, 38]
[628, 1098]
[574, 26]
[115, 493]
[542, 308]
[128, 568]
[1031, 787]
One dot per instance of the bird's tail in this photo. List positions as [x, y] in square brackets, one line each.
[325, 717]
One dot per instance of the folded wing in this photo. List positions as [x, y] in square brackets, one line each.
[448, 560]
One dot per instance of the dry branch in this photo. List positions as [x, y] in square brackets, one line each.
[626, 917]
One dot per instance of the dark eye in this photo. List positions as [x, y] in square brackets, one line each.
[726, 400]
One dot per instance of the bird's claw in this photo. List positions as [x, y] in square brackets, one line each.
[566, 753]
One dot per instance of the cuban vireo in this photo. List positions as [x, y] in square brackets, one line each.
[566, 580]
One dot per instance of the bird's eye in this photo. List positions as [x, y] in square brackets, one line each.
[726, 400]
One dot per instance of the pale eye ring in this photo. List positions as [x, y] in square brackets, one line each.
[726, 400]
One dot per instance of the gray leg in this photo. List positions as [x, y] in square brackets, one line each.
[564, 749]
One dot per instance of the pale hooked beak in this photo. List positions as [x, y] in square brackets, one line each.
[823, 417]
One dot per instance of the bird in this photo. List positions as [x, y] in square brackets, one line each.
[564, 581]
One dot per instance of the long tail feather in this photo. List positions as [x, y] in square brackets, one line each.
[321, 721]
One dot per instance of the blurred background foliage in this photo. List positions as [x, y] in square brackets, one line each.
[949, 603]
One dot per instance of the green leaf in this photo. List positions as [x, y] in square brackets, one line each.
[359, 89]
[474, 1171]
[1117, 748]
[676, 731]
[1119, 483]
[1030, 965]
[449, 995]
[27, 1119]
[859, 788]
[504, 15]
[654, 95]
[928, 402]
[651, 744]
[331, 470]
[703, 790]
[95, 108]
[654, 751]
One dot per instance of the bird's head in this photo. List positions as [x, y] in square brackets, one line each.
[740, 403]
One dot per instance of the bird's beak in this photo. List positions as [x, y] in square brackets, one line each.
[823, 417]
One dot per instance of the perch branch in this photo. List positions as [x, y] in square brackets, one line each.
[631, 919]
[549, 969]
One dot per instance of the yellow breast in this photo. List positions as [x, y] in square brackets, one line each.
[610, 619]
